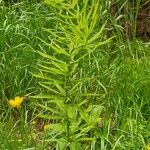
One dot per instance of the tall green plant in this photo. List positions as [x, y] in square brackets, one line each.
[65, 103]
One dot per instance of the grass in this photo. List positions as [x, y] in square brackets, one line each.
[119, 72]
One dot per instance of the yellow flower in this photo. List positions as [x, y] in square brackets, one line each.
[46, 127]
[16, 103]
[33, 122]
[147, 147]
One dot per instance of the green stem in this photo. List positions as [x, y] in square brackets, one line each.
[68, 133]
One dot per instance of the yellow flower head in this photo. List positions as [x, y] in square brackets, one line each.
[147, 147]
[16, 103]
[33, 122]
[46, 127]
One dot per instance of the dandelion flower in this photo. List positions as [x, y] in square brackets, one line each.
[16, 103]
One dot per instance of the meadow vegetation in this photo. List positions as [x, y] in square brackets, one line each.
[70, 79]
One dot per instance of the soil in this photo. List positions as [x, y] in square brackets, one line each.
[141, 16]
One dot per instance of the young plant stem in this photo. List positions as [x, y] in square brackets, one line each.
[68, 133]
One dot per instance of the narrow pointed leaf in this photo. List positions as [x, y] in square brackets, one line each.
[50, 117]
[48, 108]
[97, 35]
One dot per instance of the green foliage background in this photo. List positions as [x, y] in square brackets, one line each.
[92, 90]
